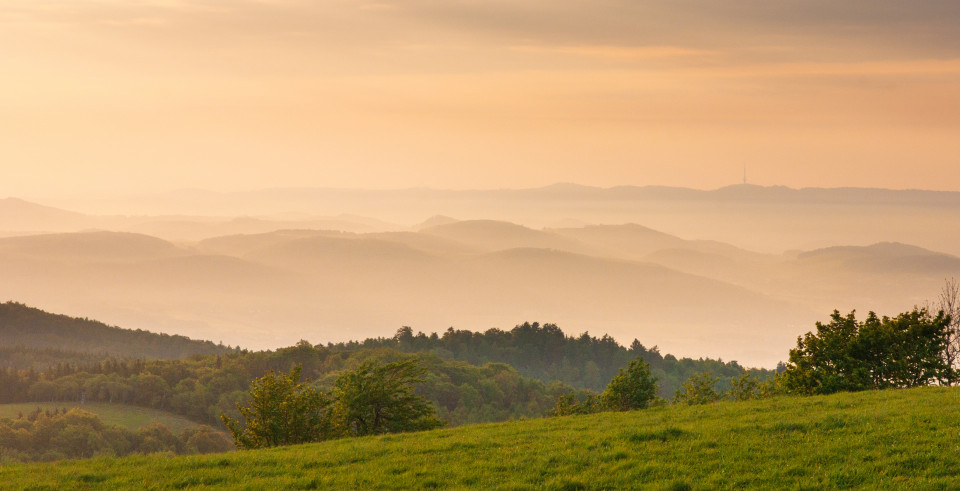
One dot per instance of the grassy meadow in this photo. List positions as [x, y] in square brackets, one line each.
[124, 416]
[899, 439]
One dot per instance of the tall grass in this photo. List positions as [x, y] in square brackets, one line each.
[900, 439]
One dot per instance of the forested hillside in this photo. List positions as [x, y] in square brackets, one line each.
[204, 386]
[544, 352]
[471, 376]
[42, 359]
[28, 327]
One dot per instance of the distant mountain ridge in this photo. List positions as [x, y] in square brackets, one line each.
[18, 214]
[630, 280]
[758, 218]
[265, 290]
[299, 198]
[99, 245]
[337, 204]
[747, 193]
[655, 262]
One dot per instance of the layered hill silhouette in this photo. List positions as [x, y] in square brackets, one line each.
[493, 235]
[20, 215]
[266, 290]
[285, 277]
[89, 246]
[769, 219]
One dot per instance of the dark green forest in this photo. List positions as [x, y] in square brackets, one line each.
[42, 359]
[545, 353]
[204, 386]
[471, 376]
[468, 377]
[28, 327]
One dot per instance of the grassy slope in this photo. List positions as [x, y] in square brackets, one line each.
[129, 417]
[890, 439]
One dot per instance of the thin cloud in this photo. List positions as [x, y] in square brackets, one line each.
[618, 52]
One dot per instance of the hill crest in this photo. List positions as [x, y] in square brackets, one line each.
[30, 327]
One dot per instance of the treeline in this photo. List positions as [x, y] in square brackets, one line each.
[471, 377]
[77, 434]
[537, 351]
[202, 388]
[545, 353]
[28, 327]
[41, 359]
[912, 349]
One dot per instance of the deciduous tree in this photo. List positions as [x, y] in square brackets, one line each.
[282, 411]
[379, 398]
[633, 388]
[698, 389]
[949, 303]
[848, 355]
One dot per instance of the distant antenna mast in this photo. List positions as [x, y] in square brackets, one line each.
[744, 174]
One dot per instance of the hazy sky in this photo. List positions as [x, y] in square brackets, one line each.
[151, 95]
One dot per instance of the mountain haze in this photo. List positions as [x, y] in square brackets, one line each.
[770, 219]
[736, 272]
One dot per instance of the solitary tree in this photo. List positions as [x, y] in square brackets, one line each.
[633, 388]
[949, 304]
[282, 411]
[378, 398]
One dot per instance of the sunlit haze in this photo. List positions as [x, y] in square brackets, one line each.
[118, 97]
[710, 177]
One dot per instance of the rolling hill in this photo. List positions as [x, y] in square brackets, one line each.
[884, 258]
[17, 215]
[690, 297]
[493, 235]
[868, 440]
[33, 328]
[99, 246]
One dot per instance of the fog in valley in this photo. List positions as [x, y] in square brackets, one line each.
[735, 273]
[258, 173]
[560, 244]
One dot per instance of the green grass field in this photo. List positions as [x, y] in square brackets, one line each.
[897, 439]
[129, 417]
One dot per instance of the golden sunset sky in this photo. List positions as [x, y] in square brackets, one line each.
[129, 96]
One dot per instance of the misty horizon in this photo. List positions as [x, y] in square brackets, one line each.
[80, 195]
[389, 94]
[622, 264]
[334, 151]
[682, 225]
